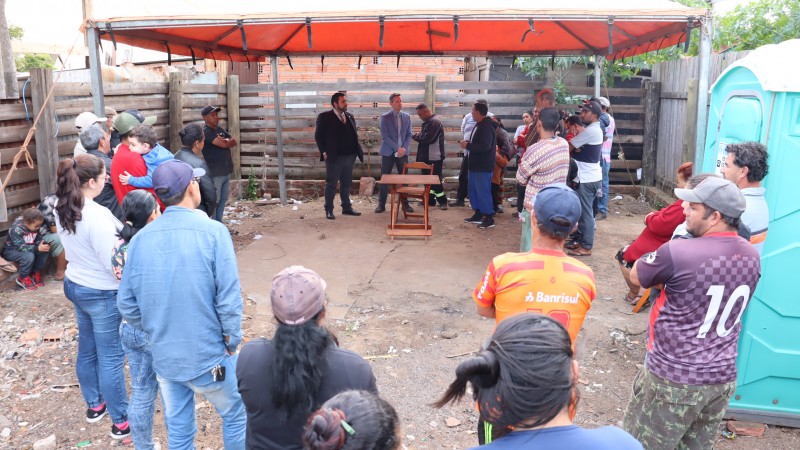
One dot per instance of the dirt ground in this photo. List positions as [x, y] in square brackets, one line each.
[403, 304]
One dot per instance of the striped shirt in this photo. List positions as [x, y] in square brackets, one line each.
[544, 163]
[542, 281]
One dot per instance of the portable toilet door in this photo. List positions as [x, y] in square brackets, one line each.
[758, 99]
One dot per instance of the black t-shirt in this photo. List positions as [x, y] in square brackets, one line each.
[346, 370]
[218, 159]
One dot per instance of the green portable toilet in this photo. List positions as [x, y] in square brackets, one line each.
[758, 99]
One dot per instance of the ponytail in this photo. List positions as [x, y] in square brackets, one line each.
[71, 175]
[137, 206]
[523, 375]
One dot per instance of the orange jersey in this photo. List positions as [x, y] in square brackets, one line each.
[542, 281]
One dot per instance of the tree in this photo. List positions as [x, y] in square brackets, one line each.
[29, 61]
[15, 32]
[758, 23]
[8, 83]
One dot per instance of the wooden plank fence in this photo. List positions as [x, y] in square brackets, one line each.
[177, 103]
[677, 115]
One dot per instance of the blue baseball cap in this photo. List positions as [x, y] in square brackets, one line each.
[557, 201]
[173, 177]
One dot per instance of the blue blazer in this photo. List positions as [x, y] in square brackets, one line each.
[389, 133]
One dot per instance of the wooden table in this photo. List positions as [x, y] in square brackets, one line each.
[400, 227]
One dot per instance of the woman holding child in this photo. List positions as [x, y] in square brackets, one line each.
[88, 234]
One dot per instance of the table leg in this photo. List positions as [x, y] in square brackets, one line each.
[392, 219]
[425, 203]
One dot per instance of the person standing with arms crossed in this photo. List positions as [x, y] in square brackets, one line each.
[681, 394]
[337, 141]
[396, 135]
[217, 152]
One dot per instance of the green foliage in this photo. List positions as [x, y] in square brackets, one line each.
[29, 61]
[758, 23]
[15, 32]
[251, 189]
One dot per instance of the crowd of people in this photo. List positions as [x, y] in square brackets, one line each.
[152, 274]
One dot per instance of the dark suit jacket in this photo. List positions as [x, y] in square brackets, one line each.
[326, 134]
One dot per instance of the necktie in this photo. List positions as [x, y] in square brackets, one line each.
[342, 117]
[399, 134]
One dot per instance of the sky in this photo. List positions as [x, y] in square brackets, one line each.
[58, 21]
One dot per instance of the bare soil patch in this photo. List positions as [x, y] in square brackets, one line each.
[404, 304]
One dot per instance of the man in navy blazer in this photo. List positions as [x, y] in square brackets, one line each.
[337, 141]
[396, 134]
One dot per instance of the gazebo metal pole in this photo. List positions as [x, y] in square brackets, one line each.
[276, 92]
[597, 62]
[95, 73]
[704, 67]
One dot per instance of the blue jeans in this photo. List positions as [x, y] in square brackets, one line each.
[179, 412]
[587, 192]
[222, 184]
[144, 386]
[601, 203]
[100, 356]
[479, 186]
[29, 262]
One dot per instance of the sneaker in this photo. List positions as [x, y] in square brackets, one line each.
[500, 209]
[120, 431]
[488, 222]
[443, 206]
[457, 203]
[26, 283]
[37, 278]
[475, 218]
[600, 216]
[95, 414]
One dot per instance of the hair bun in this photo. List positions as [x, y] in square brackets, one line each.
[325, 431]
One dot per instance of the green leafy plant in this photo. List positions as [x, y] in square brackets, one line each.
[30, 61]
[251, 189]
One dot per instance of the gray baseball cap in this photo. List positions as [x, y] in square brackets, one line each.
[716, 193]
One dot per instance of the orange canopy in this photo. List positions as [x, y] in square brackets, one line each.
[242, 30]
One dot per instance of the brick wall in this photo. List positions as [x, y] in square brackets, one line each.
[375, 69]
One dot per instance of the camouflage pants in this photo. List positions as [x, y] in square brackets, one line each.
[664, 415]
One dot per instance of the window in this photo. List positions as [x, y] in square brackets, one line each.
[375, 60]
[374, 104]
[461, 71]
[261, 68]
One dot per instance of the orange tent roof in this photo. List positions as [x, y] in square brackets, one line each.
[244, 32]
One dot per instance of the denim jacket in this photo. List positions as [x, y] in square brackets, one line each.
[181, 287]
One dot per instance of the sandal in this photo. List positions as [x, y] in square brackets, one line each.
[580, 251]
[632, 300]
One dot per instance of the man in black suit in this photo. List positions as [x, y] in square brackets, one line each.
[338, 145]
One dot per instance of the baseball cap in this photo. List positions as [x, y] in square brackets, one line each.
[110, 111]
[85, 119]
[209, 109]
[593, 107]
[172, 177]
[557, 201]
[603, 101]
[716, 193]
[297, 295]
[130, 119]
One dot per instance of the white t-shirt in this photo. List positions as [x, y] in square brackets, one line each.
[89, 249]
[589, 172]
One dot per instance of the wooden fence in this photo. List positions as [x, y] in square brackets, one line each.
[248, 111]
[300, 103]
[677, 114]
